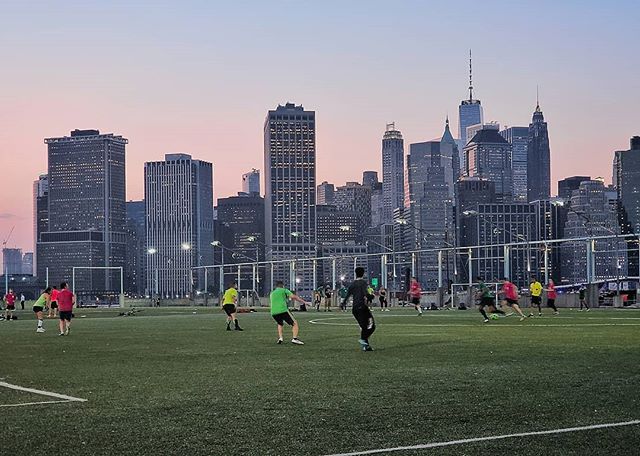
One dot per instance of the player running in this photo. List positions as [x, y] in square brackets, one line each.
[229, 301]
[280, 311]
[581, 296]
[53, 306]
[10, 301]
[510, 295]
[487, 299]
[66, 301]
[551, 296]
[362, 313]
[382, 297]
[38, 307]
[415, 292]
[536, 295]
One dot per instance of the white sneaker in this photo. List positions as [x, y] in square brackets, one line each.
[297, 341]
[280, 341]
[40, 330]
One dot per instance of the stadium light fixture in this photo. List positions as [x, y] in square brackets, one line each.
[401, 222]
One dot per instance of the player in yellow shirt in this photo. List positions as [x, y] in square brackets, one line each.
[536, 295]
[229, 301]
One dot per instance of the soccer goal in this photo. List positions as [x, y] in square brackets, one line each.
[98, 286]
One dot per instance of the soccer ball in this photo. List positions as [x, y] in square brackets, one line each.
[494, 316]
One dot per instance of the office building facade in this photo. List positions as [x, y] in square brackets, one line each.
[538, 159]
[518, 137]
[488, 156]
[251, 182]
[392, 172]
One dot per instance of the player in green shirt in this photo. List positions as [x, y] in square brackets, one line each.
[280, 311]
[229, 301]
[38, 307]
[487, 299]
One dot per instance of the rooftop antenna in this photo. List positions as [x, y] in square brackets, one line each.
[470, 78]
[537, 99]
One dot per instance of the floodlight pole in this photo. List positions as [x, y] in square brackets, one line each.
[73, 280]
[121, 286]
[507, 262]
[315, 272]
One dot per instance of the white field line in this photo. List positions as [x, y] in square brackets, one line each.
[483, 439]
[42, 393]
[35, 403]
[329, 322]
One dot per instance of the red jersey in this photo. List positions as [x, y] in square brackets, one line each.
[415, 291]
[551, 291]
[509, 290]
[10, 298]
[65, 300]
[54, 295]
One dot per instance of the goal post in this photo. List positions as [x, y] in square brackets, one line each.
[121, 300]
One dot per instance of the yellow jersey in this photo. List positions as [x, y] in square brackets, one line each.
[230, 296]
[536, 288]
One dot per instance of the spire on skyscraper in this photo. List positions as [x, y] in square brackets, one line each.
[470, 78]
[537, 99]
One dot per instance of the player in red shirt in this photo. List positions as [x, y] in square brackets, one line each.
[10, 300]
[551, 296]
[415, 292]
[510, 296]
[53, 304]
[66, 300]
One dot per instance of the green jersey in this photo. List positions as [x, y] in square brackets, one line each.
[42, 301]
[279, 298]
[485, 292]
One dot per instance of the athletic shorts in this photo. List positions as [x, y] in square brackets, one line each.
[511, 302]
[11, 307]
[284, 317]
[536, 300]
[415, 301]
[54, 304]
[37, 309]
[551, 302]
[229, 309]
[66, 315]
[487, 301]
[383, 300]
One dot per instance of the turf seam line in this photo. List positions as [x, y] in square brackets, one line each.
[482, 439]
[41, 392]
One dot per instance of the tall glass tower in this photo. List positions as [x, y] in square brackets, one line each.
[469, 111]
[538, 158]
[392, 172]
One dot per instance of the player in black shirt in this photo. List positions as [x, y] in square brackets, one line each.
[359, 291]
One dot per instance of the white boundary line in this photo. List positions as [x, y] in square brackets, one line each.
[42, 393]
[482, 439]
[326, 321]
[35, 403]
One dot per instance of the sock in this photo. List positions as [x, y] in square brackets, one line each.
[236, 323]
[498, 311]
[484, 314]
[39, 323]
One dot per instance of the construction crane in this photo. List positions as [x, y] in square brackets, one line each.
[4, 261]
[4, 243]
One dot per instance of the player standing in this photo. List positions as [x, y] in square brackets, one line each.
[551, 296]
[384, 306]
[415, 292]
[581, 296]
[229, 301]
[66, 300]
[487, 299]
[327, 298]
[510, 294]
[362, 313]
[41, 303]
[22, 300]
[536, 295]
[10, 301]
[53, 306]
[280, 311]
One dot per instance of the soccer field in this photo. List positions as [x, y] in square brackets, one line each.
[168, 381]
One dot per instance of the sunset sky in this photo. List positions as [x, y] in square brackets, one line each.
[199, 76]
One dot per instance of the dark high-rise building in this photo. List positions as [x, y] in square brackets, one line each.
[178, 197]
[354, 197]
[470, 193]
[334, 225]
[11, 261]
[488, 156]
[86, 211]
[290, 190]
[326, 193]
[568, 185]
[392, 172]
[40, 213]
[538, 159]
[627, 182]
[136, 255]
[549, 217]
[470, 112]
[518, 137]
[370, 179]
[27, 263]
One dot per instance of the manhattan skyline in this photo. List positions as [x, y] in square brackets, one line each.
[199, 78]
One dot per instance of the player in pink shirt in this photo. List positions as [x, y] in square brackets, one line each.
[53, 304]
[10, 300]
[66, 300]
[415, 292]
[510, 296]
[551, 296]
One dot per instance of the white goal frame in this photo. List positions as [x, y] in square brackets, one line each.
[119, 268]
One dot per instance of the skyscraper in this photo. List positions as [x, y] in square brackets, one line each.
[518, 137]
[538, 158]
[326, 193]
[178, 197]
[251, 182]
[370, 179]
[290, 190]
[40, 212]
[135, 281]
[86, 211]
[354, 197]
[469, 111]
[488, 155]
[27, 263]
[392, 171]
[567, 185]
[11, 261]
[627, 181]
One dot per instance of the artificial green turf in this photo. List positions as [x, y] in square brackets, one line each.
[170, 382]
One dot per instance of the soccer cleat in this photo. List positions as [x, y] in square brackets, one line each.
[297, 341]
[531, 314]
[66, 333]
[280, 341]
[509, 314]
[363, 343]
[228, 328]
[61, 334]
[588, 309]
[486, 320]
[40, 330]
[367, 348]
[556, 313]
[523, 318]
[238, 328]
